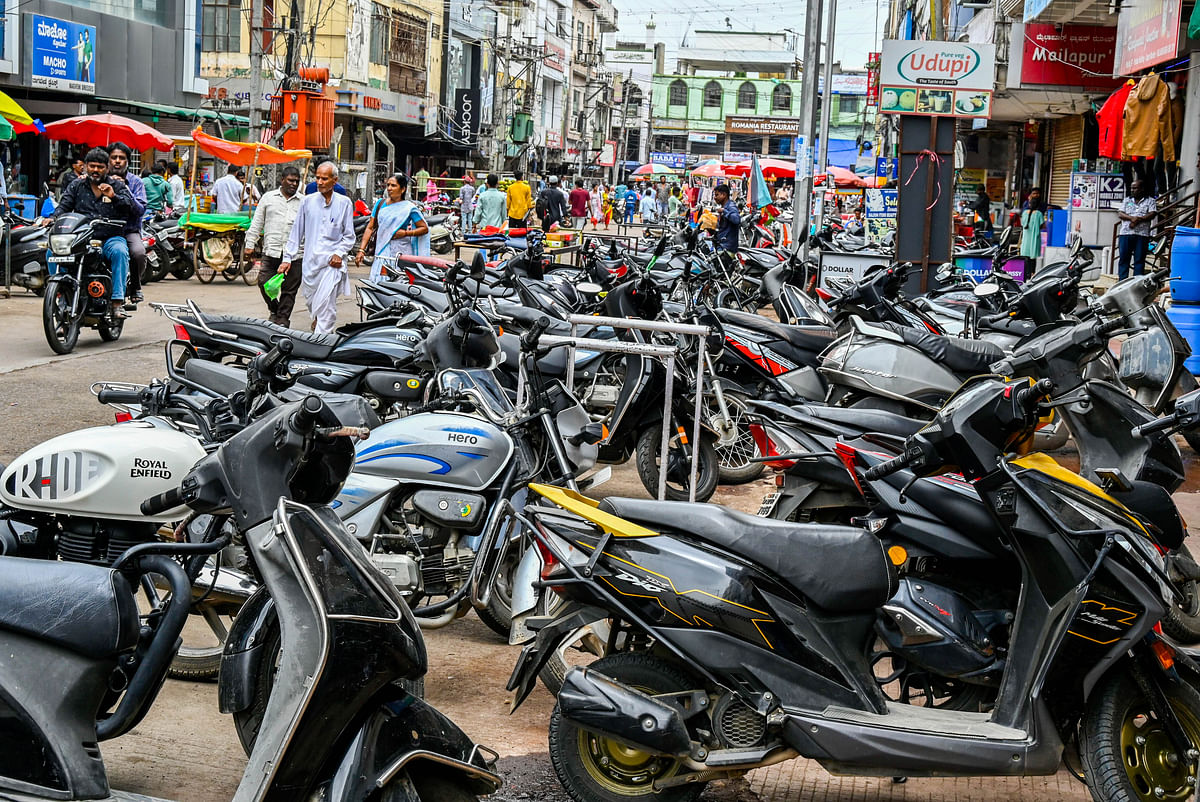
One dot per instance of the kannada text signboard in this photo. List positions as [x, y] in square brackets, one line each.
[952, 79]
[63, 55]
[1147, 34]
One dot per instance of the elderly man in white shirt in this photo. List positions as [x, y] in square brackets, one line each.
[273, 224]
[229, 190]
[324, 227]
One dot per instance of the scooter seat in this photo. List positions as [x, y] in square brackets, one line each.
[436, 219]
[28, 233]
[840, 568]
[864, 420]
[84, 608]
[305, 344]
[221, 379]
[806, 338]
[428, 261]
[969, 357]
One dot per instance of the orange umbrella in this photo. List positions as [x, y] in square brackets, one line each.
[101, 130]
[245, 154]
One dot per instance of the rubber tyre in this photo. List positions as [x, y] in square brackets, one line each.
[733, 473]
[111, 332]
[1184, 625]
[203, 269]
[1114, 771]
[498, 612]
[248, 722]
[1193, 440]
[183, 270]
[164, 264]
[196, 666]
[150, 267]
[50, 305]
[707, 476]
[576, 768]
[730, 298]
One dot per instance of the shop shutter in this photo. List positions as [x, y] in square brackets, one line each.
[1067, 147]
[174, 127]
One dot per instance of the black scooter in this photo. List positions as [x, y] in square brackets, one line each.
[80, 294]
[81, 667]
[738, 643]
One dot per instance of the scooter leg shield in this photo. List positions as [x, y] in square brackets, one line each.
[605, 706]
[406, 734]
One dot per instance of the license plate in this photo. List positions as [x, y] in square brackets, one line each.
[57, 260]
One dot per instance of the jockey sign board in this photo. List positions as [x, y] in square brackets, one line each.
[953, 79]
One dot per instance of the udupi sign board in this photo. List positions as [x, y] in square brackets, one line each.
[953, 79]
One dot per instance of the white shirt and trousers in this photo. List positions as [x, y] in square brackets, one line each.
[324, 229]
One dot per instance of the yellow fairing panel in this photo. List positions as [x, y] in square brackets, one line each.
[587, 509]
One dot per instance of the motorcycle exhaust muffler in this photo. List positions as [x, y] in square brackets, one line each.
[606, 707]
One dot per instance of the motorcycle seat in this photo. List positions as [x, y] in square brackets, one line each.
[428, 261]
[805, 338]
[665, 277]
[28, 233]
[840, 568]
[221, 379]
[84, 608]
[436, 219]
[864, 420]
[305, 344]
[971, 357]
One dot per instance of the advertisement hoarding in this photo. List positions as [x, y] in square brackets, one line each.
[1069, 55]
[675, 160]
[63, 55]
[952, 79]
[777, 126]
[1147, 34]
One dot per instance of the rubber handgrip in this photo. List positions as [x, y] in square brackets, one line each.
[163, 502]
[119, 396]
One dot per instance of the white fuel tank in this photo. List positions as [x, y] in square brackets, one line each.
[102, 472]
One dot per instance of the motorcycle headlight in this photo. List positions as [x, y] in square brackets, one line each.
[60, 244]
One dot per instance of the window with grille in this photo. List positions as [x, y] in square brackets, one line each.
[747, 97]
[781, 98]
[381, 20]
[677, 93]
[406, 55]
[580, 37]
[562, 23]
[712, 95]
[634, 97]
[221, 26]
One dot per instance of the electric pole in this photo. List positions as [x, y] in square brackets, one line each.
[827, 109]
[802, 200]
[256, 59]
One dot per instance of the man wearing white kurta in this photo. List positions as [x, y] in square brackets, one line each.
[325, 227]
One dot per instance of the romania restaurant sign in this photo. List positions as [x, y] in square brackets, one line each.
[952, 79]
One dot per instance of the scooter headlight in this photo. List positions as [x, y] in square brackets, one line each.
[60, 244]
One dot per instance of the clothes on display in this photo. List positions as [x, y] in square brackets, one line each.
[1111, 119]
[1149, 122]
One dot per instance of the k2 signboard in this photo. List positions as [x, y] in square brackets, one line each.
[952, 79]
[63, 55]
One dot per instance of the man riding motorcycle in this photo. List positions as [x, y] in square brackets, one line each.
[102, 197]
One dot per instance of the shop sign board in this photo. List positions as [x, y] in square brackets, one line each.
[702, 138]
[879, 212]
[778, 126]
[607, 156]
[971, 179]
[1034, 7]
[731, 156]
[951, 79]
[675, 160]
[554, 139]
[1069, 55]
[873, 79]
[1147, 34]
[664, 124]
[554, 56]
[63, 55]
[1096, 191]
[466, 108]
[615, 55]
[886, 167]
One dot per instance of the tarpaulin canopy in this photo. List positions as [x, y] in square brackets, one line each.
[245, 154]
[216, 222]
[101, 130]
[12, 111]
[771, 168]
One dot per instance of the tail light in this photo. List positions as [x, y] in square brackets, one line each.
[849, 457]
[181, 333]
[408, 274]
[824, 295]
[121, 417]
[150, 242]
[767, 448]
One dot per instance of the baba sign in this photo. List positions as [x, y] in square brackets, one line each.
[952, 79]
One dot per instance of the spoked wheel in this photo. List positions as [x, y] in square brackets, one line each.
[110, 330]
[735, 444]
[595, 768]
[249, 272]
[679, 465]
[731, 298]
[59, 320]
[204, 271]
[1125, 750]
[912, 685]
[199, 658]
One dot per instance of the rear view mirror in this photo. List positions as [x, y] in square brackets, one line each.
[944, 272]
[588, 288]
[662, 246]
[1076, 247]
[478, 266]
[986, 290]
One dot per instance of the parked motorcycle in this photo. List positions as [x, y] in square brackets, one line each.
[80, 292]
[28, 244]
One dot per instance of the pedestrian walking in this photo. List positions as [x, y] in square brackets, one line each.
[272, 224]
[982, 207]
[118, 169]
[520, 201]
[631, 204]
[729, 223]
[1133, 236]
[662, 195]
[491, 207]
[673, 203]
[1033, 217]
[596, 205]
[649, 206]
[228, 190]
[578, 201]
[421, 182]
[158, 191]
[324, 227]
[551, 204]
[466, 199]
[399, 228]
[178, 190]
[311, 187]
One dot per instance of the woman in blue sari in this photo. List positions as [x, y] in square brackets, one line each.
[401, 228]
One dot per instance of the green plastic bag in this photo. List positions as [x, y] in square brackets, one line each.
[1194, 23]
[273, 285]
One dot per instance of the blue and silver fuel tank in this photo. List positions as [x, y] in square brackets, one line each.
[436, 448]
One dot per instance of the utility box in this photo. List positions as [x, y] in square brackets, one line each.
[522, 127]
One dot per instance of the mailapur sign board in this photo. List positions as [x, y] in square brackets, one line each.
[1147, 34]
[950, 79]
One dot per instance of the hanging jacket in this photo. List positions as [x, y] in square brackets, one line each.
[1111, 119]
[1148, 121]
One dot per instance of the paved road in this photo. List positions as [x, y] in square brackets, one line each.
[186, 750]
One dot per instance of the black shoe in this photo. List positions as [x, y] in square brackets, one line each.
[136, 298]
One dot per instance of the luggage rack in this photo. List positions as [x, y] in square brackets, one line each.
[172, 312]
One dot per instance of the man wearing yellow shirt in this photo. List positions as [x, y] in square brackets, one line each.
[520, 200]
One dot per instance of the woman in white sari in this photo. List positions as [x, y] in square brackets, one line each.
[401, 227]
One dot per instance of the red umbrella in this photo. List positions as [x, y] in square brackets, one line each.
[101, 130]
[841, 178]
[771, 168]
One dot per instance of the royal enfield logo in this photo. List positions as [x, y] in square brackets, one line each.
[56, 477]
[149, 469]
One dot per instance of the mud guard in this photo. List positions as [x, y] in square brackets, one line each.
[406, 734]
[244, 651]
[535, 655]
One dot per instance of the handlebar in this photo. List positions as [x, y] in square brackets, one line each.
[119, 396]
[304, 419]
[1029, 397]
[529, 339]
[1154, 426]
[163, 501]
[899, 463]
